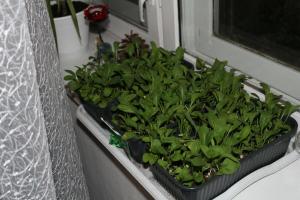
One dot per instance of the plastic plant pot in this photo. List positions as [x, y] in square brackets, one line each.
[218, 184]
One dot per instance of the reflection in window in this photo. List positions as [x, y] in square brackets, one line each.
[127, 10]
[270, 27]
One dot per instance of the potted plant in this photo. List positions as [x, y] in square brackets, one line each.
[70, 29]
[199, 131]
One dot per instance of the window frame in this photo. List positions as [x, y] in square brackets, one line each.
[119, 26]
[264, 69]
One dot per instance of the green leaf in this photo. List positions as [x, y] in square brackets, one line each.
[80, 73]
[219, 125]
[162, 163]
[127, 108]
[48, 4]
[198, 177]
[150, 158]
[126, 98]
[74, 85]
[198, 161]
[176, 156]
[264, 119]
[116, 45]
[194, 146]
[74, 18]
[130, 49]
[174, 146]
[195, 96]
[162, 118]
[129, 135]
[238, 137]
[128, 78]
[217, 151]
[69, 77]
[96, 99]
[249, 116]
[228, 167]
[59, 5]
[149, 112]
[146, 139]
[107, 91]
[130, 122]
[70, 72]
[203, 132]
[189, 118]
[179, 53]
[163, 131]
[157, 148]
[200, 64]
[103, 104]
[183, 174]
[289, 109]
[116, 48]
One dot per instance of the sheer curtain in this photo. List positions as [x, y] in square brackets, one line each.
[39, 157]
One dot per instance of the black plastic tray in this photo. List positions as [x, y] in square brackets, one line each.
[218, 184]
[136, 147]
[96, 112]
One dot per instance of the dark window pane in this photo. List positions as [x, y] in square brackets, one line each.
[270, 27]
[128, 10]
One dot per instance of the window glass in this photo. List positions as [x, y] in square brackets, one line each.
[127, 10]
[268, 27]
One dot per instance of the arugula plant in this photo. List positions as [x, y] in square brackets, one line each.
[196, 124]
[132, 46]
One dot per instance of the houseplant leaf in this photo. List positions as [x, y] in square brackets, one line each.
[157, 148]
[73, 15]
[150, 158]
[51, 21]
[228, 167]
[129, 135]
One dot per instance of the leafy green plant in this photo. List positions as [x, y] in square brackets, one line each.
[199, 125]
[132, 46]
[196, 125]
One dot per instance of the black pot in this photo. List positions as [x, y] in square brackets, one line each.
[97, 113]
[219, 184]
[137, 149]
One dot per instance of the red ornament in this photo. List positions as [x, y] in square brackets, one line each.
[95, 13]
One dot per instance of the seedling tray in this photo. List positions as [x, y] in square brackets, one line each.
[97, 113]
[218, 184]
[136, 147]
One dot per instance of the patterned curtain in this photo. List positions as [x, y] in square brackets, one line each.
[39, 158]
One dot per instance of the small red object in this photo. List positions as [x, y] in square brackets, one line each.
[95, 13]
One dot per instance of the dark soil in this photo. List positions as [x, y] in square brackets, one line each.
[78, 5]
